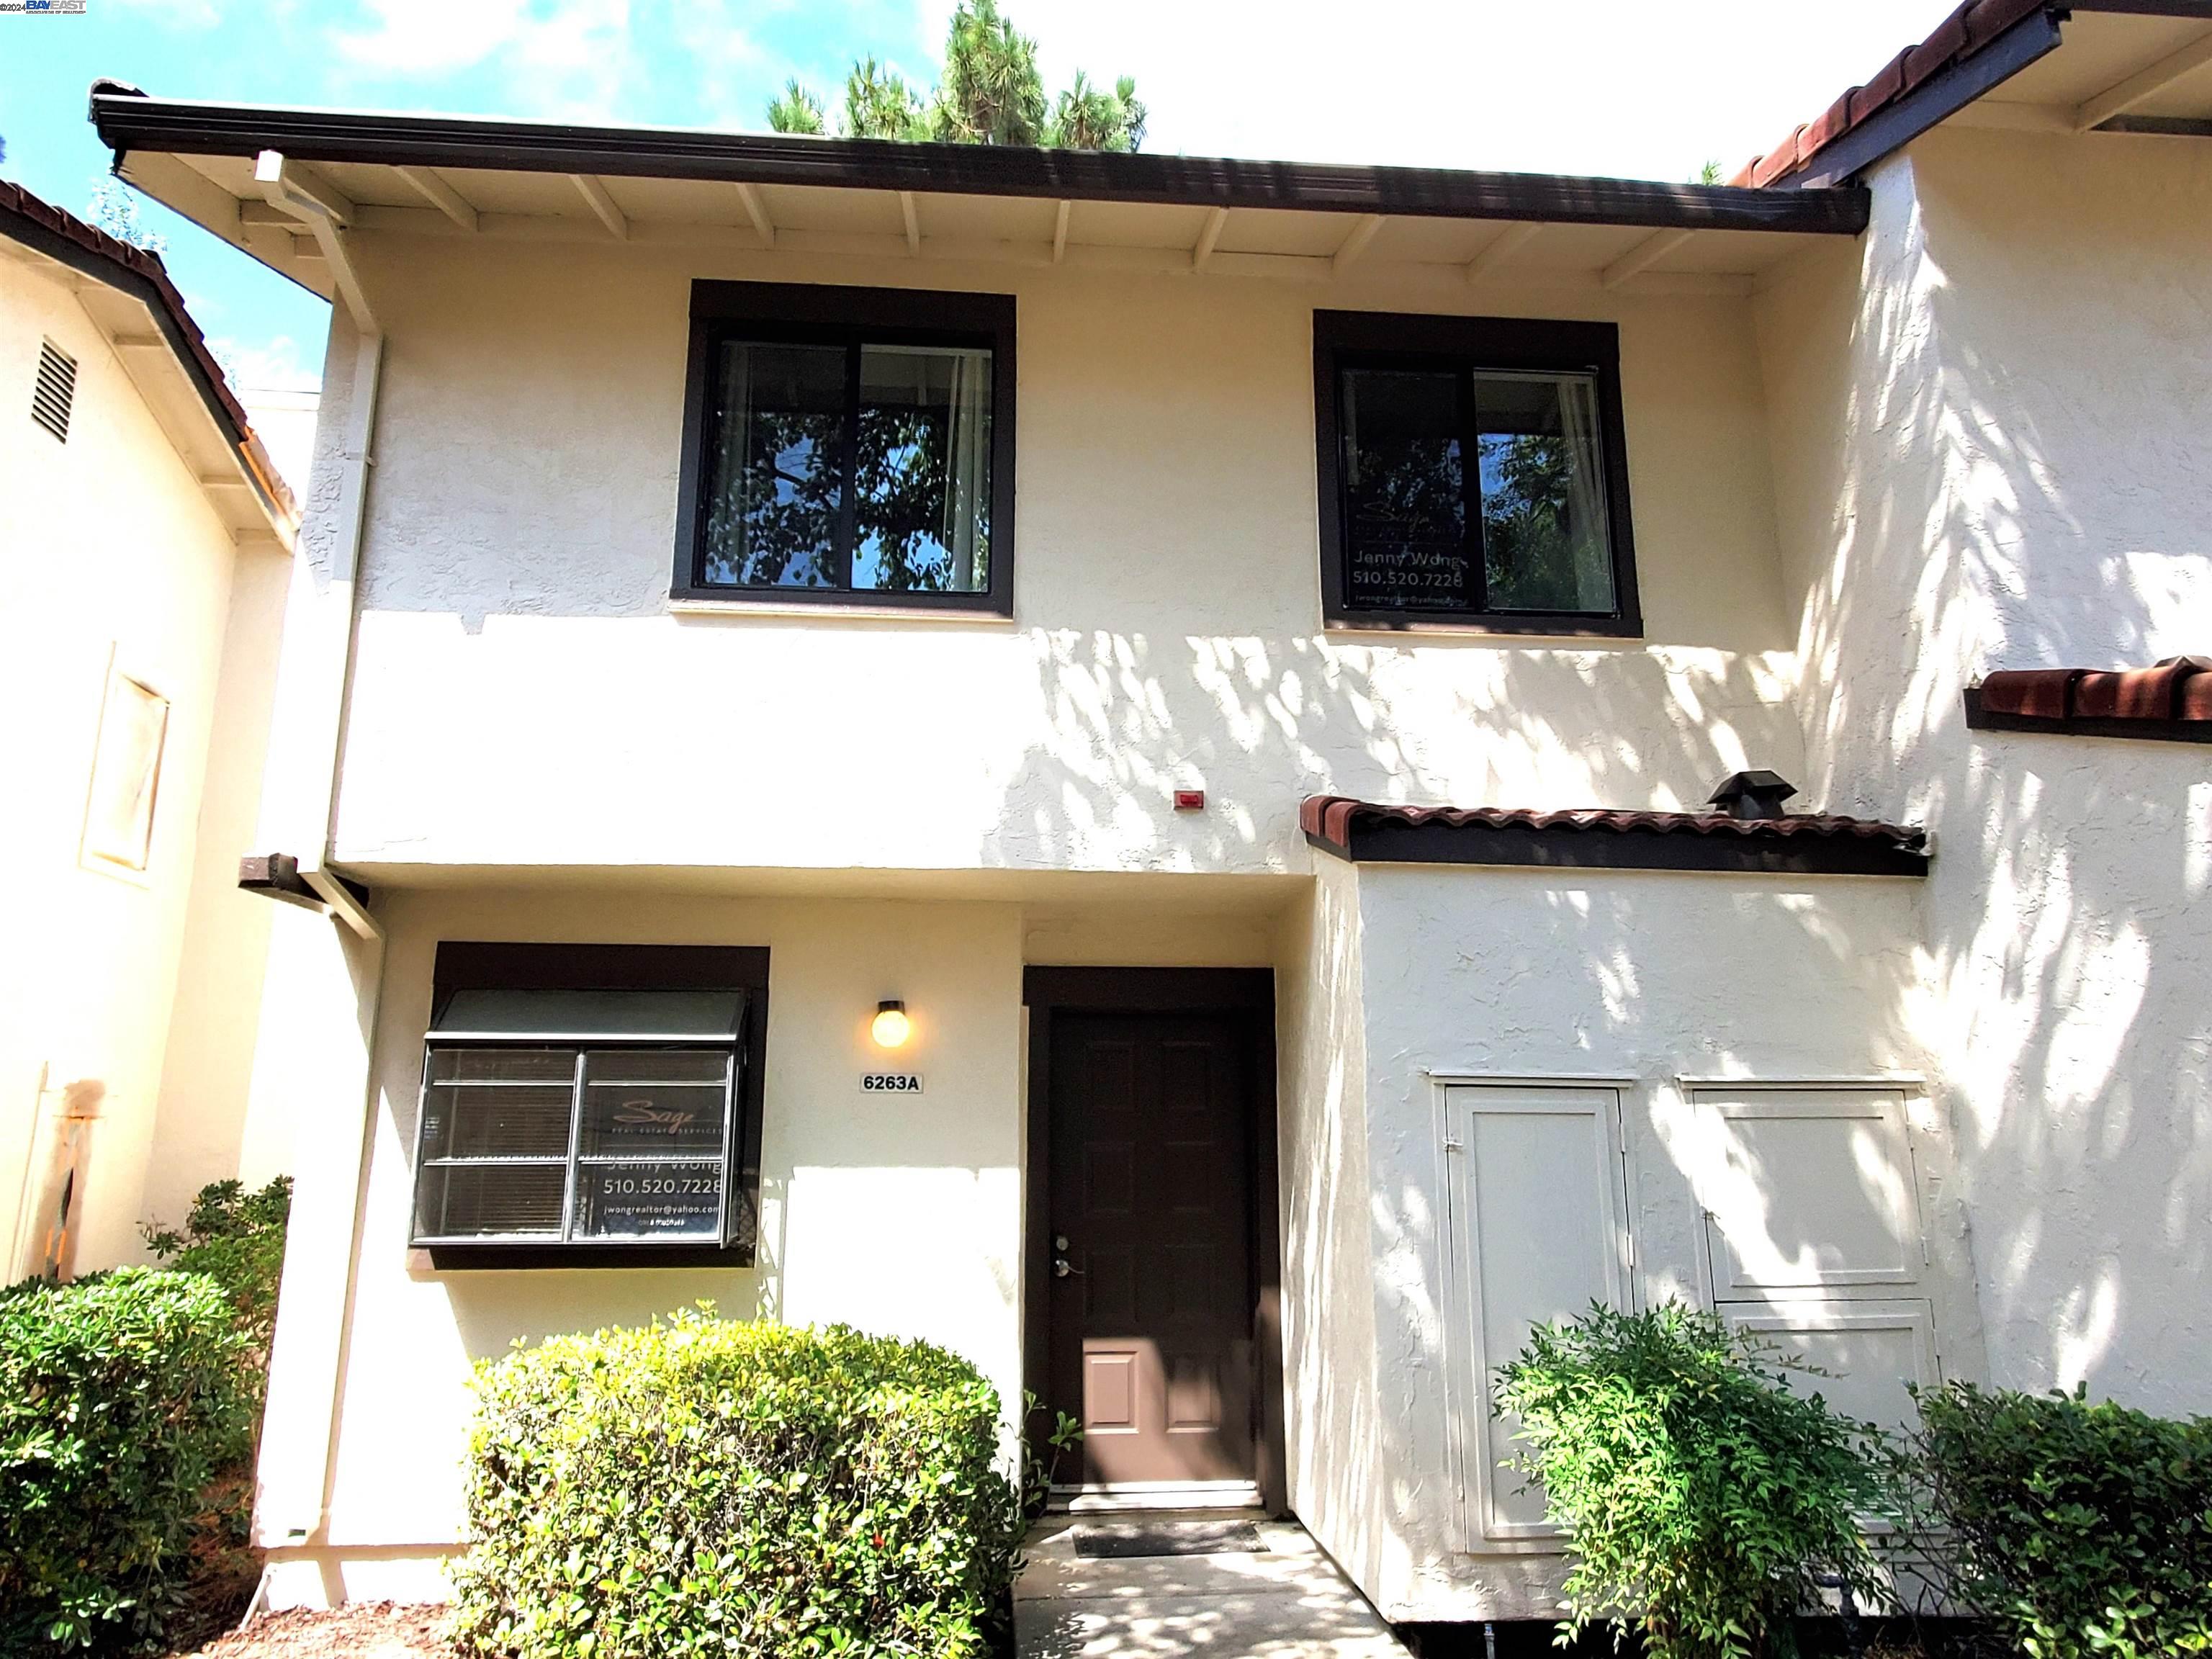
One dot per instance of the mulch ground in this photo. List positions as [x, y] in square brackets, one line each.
[365, 1630]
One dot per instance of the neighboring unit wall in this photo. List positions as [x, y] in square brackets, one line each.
[1328, 1316]
[1990, 427]
[115, 559]
[1628, 982]
[901, 1216]
[516, 636]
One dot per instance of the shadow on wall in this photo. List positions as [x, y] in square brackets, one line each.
[1128, 719]
[2004, 480]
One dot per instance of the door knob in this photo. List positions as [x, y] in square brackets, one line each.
[1062, 1269]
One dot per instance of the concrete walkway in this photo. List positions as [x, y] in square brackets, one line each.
[1287, 1601]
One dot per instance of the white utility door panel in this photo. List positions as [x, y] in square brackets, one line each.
[1871, 1351]
[1536, 1234]
[1809, 1192]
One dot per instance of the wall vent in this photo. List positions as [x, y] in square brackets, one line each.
[56, 391]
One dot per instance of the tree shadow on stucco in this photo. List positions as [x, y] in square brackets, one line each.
[1980, 516]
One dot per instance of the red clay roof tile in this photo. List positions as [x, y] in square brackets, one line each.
[1967, 30]
[2172, 694]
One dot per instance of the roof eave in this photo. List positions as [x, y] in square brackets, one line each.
[127, 121]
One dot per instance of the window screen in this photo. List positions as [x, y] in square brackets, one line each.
[556, 1117]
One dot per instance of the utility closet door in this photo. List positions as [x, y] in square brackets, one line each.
[1536, 1190]
[1814, 1238]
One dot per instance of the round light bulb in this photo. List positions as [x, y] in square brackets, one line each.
[891, 1026]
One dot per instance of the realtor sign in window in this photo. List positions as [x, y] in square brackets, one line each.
[580, 1117]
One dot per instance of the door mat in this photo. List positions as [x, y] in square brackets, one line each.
[1107, 1542]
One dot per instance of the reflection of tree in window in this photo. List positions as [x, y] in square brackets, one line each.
[777, 489]
[922, 470]
[1404, 488]
[917, 466]
[1544, 537]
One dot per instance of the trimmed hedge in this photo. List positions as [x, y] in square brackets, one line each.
[2082, 1528]
[704, 1487]
[121, 1397]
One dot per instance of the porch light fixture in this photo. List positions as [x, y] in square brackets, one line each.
[891, 1027]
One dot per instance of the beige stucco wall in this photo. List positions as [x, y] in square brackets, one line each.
[1635, 979]
[516, 640]
[900, 1217]
[1990, 440]
[113, 554]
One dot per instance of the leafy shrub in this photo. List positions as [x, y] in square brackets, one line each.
[709, 1487]
[121, 1396]
[236, 1238]
[2083, 1528]
[1701, 1495]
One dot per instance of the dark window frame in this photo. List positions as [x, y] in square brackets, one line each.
[826, 314]
[1377, 339]
[476, 965]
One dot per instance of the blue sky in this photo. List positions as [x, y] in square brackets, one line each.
[1634, 88]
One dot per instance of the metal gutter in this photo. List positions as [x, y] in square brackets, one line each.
[128, 120]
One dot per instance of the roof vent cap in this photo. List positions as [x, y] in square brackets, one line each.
[1752, 794]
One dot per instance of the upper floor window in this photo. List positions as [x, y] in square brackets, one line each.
[848, 445]
[1472, 471]
[592, 1103]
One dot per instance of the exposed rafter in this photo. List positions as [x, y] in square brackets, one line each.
[1060, 232]
[1499, 249]
[595, 195]
[441, 196]
[1641, 258]
[912, 216]
[2125, 95]
[1354, 243]
[1200, 255]
[757, 210]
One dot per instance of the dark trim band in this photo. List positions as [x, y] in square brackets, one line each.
[129, 120]
[1520, 846]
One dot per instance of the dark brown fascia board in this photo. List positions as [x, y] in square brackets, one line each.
[1519, 847]
[127, 121]
[277, 875]
[1936, 100]
[1979, 718]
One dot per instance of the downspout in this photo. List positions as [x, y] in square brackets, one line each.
[309, 1358]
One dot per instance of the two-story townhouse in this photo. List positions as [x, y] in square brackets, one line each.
[1161, 769]
[145, 551]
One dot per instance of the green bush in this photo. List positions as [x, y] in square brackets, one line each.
[1701, 1493]
[121, 1397]
[236, 1238]
[705, 1487]
[2082, 1528]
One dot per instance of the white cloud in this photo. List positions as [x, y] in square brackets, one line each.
[566, 57]
[1622, 87]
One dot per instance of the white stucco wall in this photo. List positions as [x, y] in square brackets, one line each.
[1990, 430]
[516, 641]
[1639, 979]
[114, 554]
[899, 1216]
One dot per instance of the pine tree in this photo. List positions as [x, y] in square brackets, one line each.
[988, 92]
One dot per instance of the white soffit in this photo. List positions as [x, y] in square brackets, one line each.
[218, 191]
[2108, 64]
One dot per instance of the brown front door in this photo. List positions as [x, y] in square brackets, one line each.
[1150, 1188]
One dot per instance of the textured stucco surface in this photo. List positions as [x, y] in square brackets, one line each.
[522, 696]
[900, 1217]
[1638, 978]
[1990, 449]
[113, 553]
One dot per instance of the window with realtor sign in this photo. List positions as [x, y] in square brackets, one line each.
[588, 1117]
